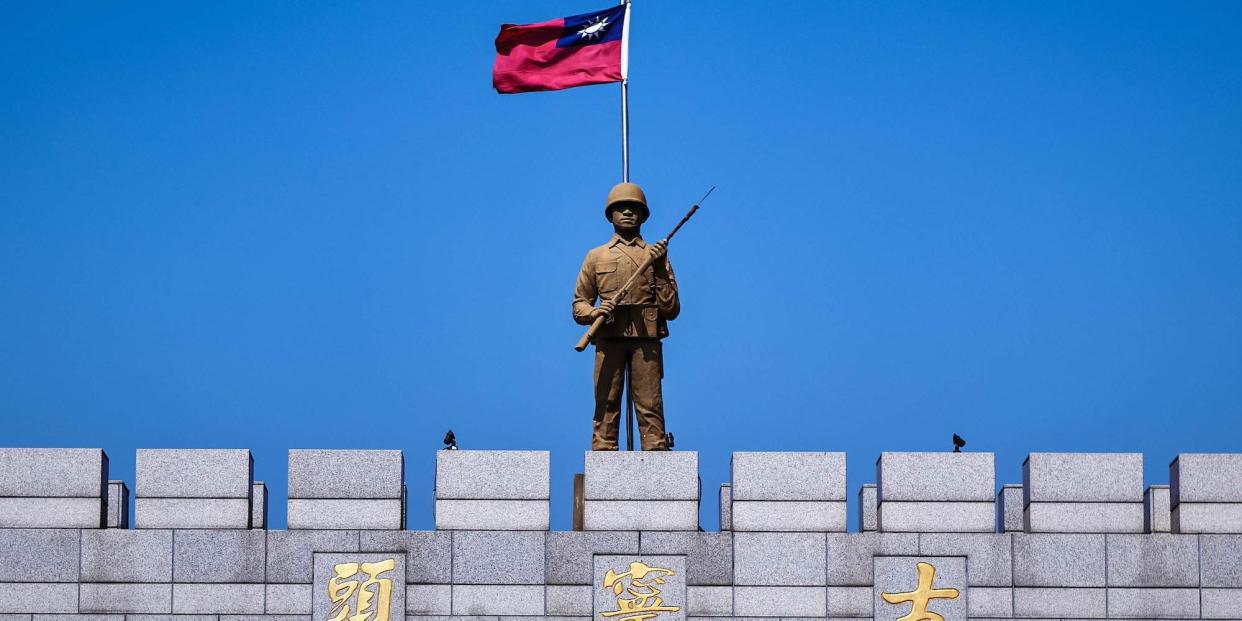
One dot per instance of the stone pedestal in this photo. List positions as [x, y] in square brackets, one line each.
[641, 490]
[796, 492]
[53, 488]
[937, 492]
[1083, 492]
[192, 488]
[346, 490]
[492, 490]
[1206, 493]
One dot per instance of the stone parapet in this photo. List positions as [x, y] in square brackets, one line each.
[1083, 492]
[192, 488]
[492, 490]
[346, 489]
[666, 499]
[1206, 493]
[793, 492]
[936, 492]
[53, 488]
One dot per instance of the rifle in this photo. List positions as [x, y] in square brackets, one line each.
[589, 335]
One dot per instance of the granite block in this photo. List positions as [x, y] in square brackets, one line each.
[127, 556]
[779, 601]
[1220, 603]
[900, 574]
[726, 507]
[493, 475]
[989, 556]
[126, 598]
[192, 473]
[849, 602]
[937, 517]
[568, 554]
[258, 505]
[1009, 510]
[1157, 510]
[789, 515]
[28, 617]
[1065, 603]
[77, 617]
[849, 555]
[709, 556]
[666, 475]
[29, 597]
[346, 474]
[709, 601]
[958, 477]
[868, 508]
[53, 512]
[288, 599]
[492, 514]
[779, 559]
[428, 554]
[1161, 560]
[990, 602]
[1084, 517]
[569, 600]
[1206, 477]
[1153, 603]
[1082, 477]
[496, 599]
[228, 618]
[191, 513]
[118, 505]
[290, 553]
[1220, 561]
[385, 571]
[498, 557]
[53, 473]
[344, 514]
[788, 476]
[39, 555]
[428, 599]
[1050, 560]
[1207, 517]
[237, 599]
[645, 574]
[236, 556]
[640, 515]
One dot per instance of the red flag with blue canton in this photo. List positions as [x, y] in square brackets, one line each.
[563, 53]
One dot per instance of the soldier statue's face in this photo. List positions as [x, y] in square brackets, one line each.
[626, 216]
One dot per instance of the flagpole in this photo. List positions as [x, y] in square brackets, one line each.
[625, 96]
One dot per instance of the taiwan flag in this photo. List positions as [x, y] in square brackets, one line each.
[562, 53]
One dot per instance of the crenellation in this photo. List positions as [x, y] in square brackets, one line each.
[1083, 492]
[1206, 493]
[506, 571]
[936, 492]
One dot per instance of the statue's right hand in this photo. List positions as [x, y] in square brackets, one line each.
[604, 309]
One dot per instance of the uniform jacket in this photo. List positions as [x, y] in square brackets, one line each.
[651, 302]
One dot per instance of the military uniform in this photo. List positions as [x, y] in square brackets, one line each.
[632, 335]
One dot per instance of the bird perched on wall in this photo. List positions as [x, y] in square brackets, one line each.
[450, 441]
[958, 443]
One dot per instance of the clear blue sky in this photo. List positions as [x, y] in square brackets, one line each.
[284, 225]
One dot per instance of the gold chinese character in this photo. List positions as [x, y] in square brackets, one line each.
[919, 596]
[372, 598]
[643, 601]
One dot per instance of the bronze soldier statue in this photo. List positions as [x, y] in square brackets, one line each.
[635, 323]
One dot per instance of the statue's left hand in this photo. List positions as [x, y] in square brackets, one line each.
[657, 250]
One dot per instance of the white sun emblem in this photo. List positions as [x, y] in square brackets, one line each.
[594, 28]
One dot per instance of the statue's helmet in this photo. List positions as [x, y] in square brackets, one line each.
[626, 193]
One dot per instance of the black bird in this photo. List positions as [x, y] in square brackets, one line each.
[668, 437]
[958, 443]
[450, 441]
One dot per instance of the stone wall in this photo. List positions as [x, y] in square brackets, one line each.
[1079, 538]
